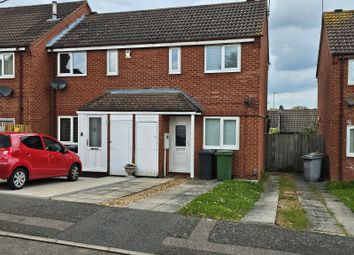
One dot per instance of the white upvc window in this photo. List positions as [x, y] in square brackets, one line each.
[5, 121]
[221, 133]
[350, 141]
[7, 65]
[351, 72]
[223, 58]
[175, 61]
[72, 64]
[112, 62]
[68, 130]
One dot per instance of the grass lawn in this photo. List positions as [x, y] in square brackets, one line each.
[344, 191]
[229, 201]
[290, 214]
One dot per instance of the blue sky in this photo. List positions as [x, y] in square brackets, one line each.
[294, 40]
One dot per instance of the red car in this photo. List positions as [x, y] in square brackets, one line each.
[25, 156]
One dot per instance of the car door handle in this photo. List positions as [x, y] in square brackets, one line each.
[51, 156]
[28, 154]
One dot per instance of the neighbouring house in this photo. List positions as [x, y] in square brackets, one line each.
[154, 87]
[26, 68]
[291, 121]
[335, 74]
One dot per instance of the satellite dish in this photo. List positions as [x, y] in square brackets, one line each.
[350, 100]
[58, 84]
[5, 91]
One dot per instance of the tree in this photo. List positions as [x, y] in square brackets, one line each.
[299, 107]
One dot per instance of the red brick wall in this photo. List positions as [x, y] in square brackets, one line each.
[37, 75]
[221, 94]
[333, 110]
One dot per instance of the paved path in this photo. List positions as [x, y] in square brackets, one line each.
[151, 232]
[173, 199]
[115, 190]
[342, 213]
[59, 186]
[319, 217]
[265, 209]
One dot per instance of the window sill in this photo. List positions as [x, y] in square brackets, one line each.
[233, 148]
[71, 75]
[112, 74]
[176, 73]
[223, 71]
[7, 77]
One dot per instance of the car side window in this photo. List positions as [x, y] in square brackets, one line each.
[33, 142]
[51, 145]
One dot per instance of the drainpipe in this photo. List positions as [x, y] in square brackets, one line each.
[340, 163]
[53, 102]
[192, 175]
[21, 90]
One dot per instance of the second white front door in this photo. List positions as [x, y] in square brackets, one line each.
[180, 147]
[96, 144]
[121, 143]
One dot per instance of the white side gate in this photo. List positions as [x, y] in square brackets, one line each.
[147, 145]
[121, 143]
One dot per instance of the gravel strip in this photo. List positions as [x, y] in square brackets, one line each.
[125, 201]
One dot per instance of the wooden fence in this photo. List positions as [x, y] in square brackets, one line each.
[15, 128]
[284, 151]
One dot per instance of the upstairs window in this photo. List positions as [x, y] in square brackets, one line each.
[175, 61]
[223, 58]
[112, 62]
[7, 65]
[72, 64]
[351, 72]
[68, 130]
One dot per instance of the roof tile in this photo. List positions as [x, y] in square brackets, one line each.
[23, 25]
[206, 22]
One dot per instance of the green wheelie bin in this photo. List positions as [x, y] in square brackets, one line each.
[224, 164]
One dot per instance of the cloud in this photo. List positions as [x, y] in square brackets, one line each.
[295, 48]
[288, 100]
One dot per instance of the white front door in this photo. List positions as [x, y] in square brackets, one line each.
[180, 135]
[121, 146]
[147, 144]
[96, 143]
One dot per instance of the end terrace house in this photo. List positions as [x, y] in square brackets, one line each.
[335, 74]
[26, 69]
[154, 87]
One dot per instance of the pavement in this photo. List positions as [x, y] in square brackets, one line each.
[173, 199]
[265, 209]
[17, 246]
[319, 216]
[152, 232]
[341, 213]
[58, 186]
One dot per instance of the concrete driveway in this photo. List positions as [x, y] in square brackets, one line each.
[59, 186]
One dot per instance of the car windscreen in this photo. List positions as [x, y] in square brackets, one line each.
[5, 141]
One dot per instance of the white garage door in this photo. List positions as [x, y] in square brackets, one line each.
[147, 138]
[121, 145]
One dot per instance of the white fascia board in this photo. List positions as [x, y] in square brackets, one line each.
[138, 113]
[155, 45]
[12, 49]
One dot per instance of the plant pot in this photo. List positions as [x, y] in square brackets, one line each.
[130, 170]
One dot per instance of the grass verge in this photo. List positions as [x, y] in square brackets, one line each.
[229, 201]
[290, 214]
[344, 191]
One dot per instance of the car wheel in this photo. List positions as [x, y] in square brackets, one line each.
[74, 173]
[18, 179]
